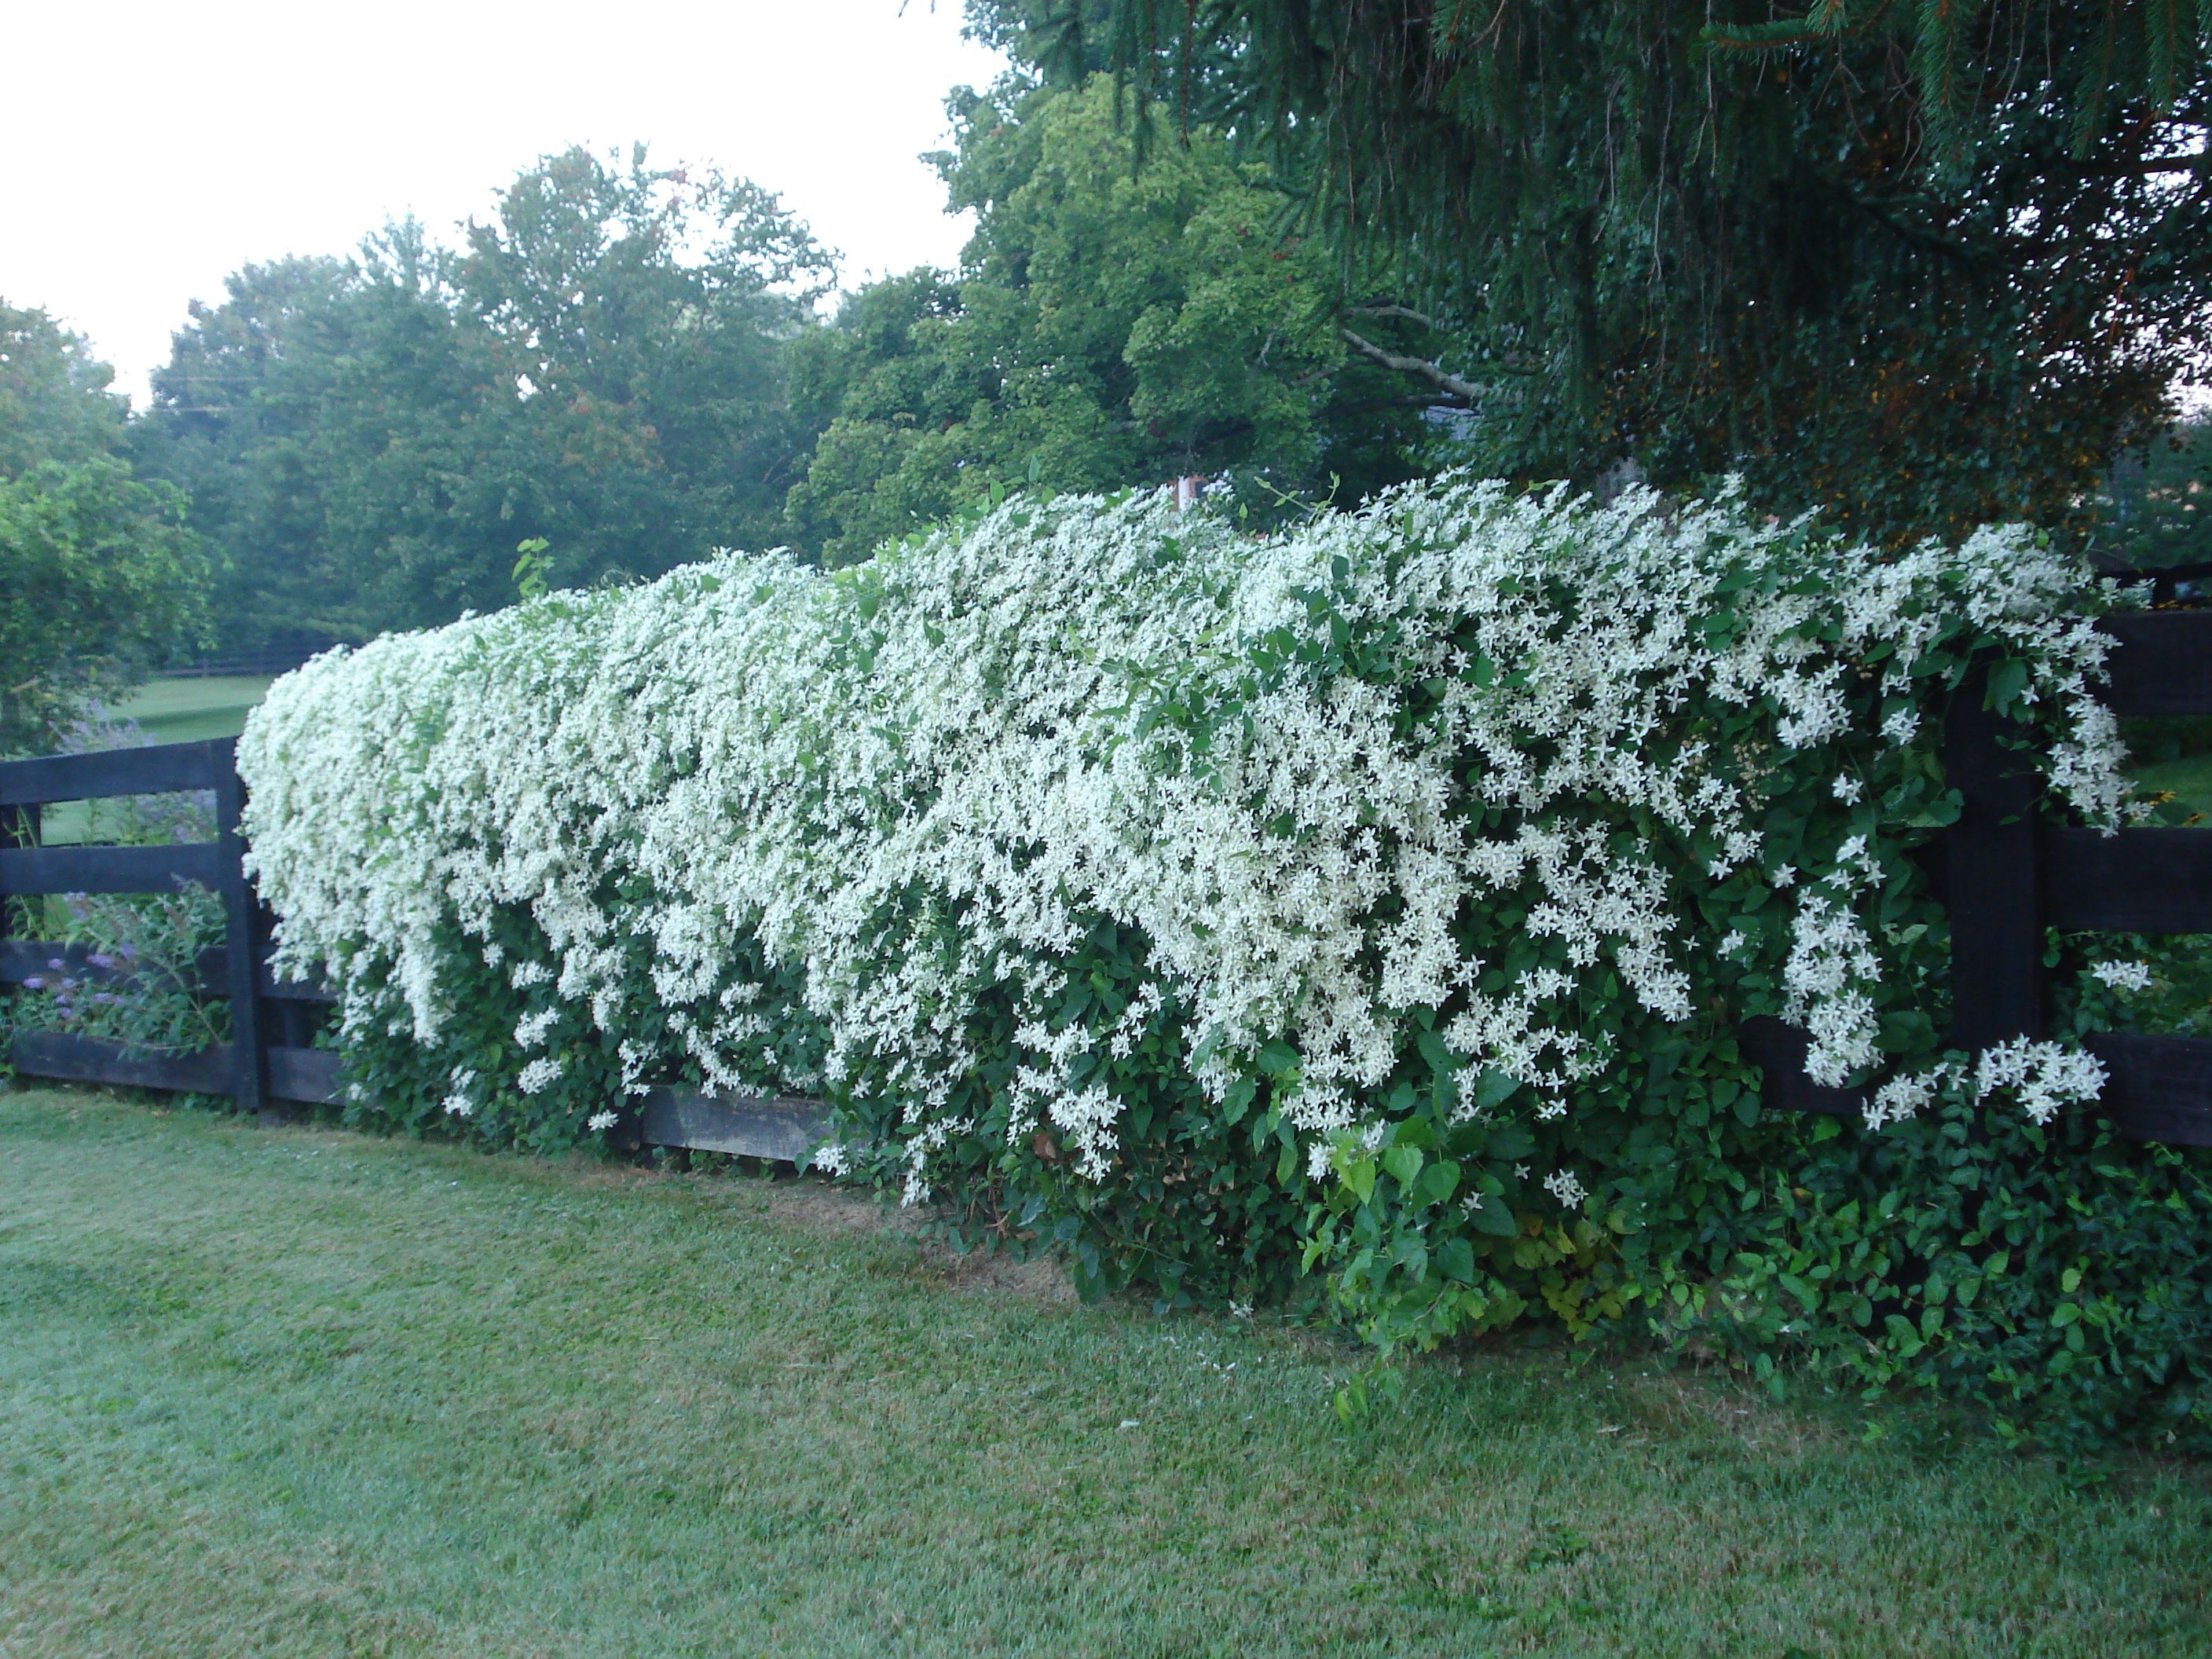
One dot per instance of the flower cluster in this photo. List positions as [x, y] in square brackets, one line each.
[1018, 829]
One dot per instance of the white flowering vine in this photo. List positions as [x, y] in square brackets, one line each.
[1309, 772]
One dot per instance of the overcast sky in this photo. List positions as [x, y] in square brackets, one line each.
[150, 150]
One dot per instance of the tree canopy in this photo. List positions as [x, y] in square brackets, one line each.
[101, 578]
[55, 405]
[599, 366]
[1111, 326]
[1928, 265]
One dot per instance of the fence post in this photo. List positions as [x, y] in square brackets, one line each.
[243, 933]
[1993, 887]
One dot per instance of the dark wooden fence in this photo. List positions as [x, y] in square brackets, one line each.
[279, 656]
[2003, 877]
[271, 1058]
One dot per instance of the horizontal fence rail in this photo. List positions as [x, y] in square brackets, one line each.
[2003, 877]
[258, 1066]
[782, 1128]
[2161, 663]
[27, 870]
[158, 770]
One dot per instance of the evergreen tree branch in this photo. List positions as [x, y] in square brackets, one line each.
[1436, 375]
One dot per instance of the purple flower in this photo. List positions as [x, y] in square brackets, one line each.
[35, 983]
[106, 999]
[56, 963]
[101, 960]
[127, 951]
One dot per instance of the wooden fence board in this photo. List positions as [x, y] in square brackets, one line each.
[2163, 663]
[308, 1075]
[292, 990]
[1779, 1051]
[29, 870]
[2139, 881]
[25, 959]
[33, 958]
[242, 938]
[158, 770]
[1989, 876]
[2160, 1087]
[750, 1126]
[72, 1058]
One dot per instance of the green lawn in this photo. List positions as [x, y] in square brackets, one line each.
[167, 711]
[2189, 778]
[183, 711]
[301, 1392]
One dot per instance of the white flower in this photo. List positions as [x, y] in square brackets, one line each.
[2043, 1077]
[1563, 1185]
[458, 1106]
[1786, 876]
[599, 1122]
[2123, 976]
[829, 1158]
[539, 1075]
[1907, 1095]
[1846, 788]
[1733, 943]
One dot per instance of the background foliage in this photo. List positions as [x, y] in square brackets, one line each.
[1927, 265]
[369, 438]
[101, 577]
[1113, 327]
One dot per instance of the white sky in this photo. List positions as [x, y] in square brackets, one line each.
[151, 150]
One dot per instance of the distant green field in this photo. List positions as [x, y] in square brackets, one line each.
[2189, 778]
[168, 711]
[185, 711]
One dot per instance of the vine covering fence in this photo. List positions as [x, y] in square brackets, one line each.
[2003, 877]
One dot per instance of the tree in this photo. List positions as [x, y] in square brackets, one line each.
[641, 312]
[600, 367]
[99, 579]
[331, 422]
[1928, 264]
[1110, 327]
[2157, 509]
[54, 401]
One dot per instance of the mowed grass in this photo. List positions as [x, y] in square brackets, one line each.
[2189, 778]
[166, 711]
[188, 710]
[297, 1391]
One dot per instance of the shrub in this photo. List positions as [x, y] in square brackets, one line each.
[1382, 896]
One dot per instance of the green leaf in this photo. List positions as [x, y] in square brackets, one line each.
[1439, 1180]
[1238, 1100]
[1404, 1164]
[1495, 1217]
